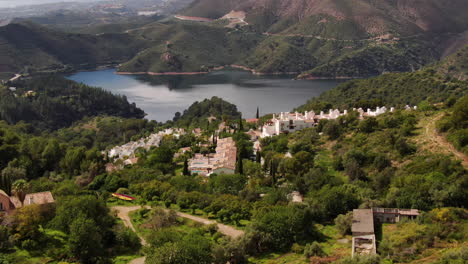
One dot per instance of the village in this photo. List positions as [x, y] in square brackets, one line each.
[225, 157]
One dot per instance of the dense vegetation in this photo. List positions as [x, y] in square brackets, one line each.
[193, 47]
[54, 102]
[337, 166]
[393, 89]
[29, 48]
[456, 65]
[207, 113]
[456, 125]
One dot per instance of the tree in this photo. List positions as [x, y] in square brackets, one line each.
[85, 240]
[332, 129]
[227, 184]
[15, 173]
[190, 249]
[186, 171]
[314, 249]
[258, 113]
[27, 222]
[20, 188]
[241, 124]
[239, 165]
[277, 228]
[258, 157]
[5, 183]
[343, 223]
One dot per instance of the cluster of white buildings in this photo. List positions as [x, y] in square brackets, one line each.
[127, 151]
[291, 122]
[222, 162]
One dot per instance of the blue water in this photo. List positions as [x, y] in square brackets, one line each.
[162, 96]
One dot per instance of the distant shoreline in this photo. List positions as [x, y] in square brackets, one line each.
[234, 66]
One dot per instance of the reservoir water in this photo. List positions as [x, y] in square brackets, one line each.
[162, 96]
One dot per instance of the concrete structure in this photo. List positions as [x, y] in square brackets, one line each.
[222, 162]
[363, 232]
[8, 204]
[393, 215]
[364, 221]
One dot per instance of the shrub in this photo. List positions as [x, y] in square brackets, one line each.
[343, 223]
[314, 249]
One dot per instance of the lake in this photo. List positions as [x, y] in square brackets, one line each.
[162, 96]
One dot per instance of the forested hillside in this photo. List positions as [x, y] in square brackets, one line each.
[392, 89]
[28, 47]
[456, 65]
[309, 38]
[55, 102]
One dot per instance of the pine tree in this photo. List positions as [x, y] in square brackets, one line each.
[186, 171]
[258, 113]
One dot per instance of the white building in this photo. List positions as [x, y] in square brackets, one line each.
[292, 122]
[288, 123]
[154, 140]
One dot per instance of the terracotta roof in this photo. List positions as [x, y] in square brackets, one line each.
[3, 193]
[252, 120]
[33, 198]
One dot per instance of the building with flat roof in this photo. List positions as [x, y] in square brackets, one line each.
[363, 222]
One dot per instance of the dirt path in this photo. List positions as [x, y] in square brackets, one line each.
[124, 211]
[434, 142]
[223, 229]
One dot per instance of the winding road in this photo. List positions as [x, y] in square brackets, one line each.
[124, 211]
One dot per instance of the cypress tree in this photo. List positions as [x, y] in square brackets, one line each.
[5, 183]
[239, 165]
[186, 171]
[258, 114]
[258, 157]
[241, 125]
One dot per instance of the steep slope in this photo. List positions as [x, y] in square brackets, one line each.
[313, 38]
[436, 83]
[400, 17]
[28, 46]
[455, 65]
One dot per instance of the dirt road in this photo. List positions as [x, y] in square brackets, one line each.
[434, 142]
[124, 211]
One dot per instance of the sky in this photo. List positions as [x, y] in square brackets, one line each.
[13, 3]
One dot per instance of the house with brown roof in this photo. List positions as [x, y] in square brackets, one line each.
[8, 204]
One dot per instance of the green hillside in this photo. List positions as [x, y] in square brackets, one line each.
[54, 102]
[27, 46]
[189, 47]
[434, 84]
[456, 65]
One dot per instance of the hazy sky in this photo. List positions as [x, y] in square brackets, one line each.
[13, 3]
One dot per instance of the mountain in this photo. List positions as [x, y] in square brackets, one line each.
[314, 38]
[355, 18]
[28, 46]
